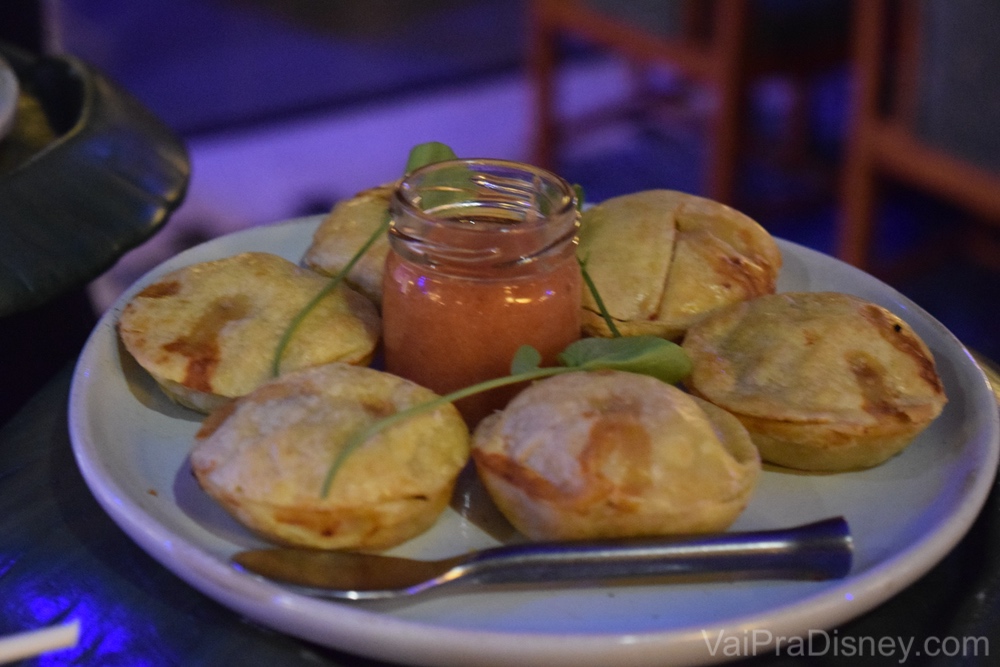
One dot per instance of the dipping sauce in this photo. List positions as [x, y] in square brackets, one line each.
[475, 272]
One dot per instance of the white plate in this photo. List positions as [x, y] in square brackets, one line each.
[9, 89]
[131, 444]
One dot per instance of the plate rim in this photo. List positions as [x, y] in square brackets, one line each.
[284, 610]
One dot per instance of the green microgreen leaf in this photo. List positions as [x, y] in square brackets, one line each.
[646, 355]
[428, 153]
[526, 359]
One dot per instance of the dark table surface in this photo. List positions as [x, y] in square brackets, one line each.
[62, 558]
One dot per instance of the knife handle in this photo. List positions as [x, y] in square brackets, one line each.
[820, 550]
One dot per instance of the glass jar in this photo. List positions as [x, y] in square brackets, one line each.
[482, 261]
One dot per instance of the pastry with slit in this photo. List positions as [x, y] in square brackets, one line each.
[208, 332]
[606, 454]
[661, 260]
[264, 457]
[823, 381]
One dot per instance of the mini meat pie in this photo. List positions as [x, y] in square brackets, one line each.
[823, 381]
[208, 332]
[614, 454]
[342, 233]
[662, 259]
[264, 458]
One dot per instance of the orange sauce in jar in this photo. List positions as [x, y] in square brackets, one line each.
[466, 285]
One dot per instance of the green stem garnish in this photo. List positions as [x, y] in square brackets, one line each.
[605, 315]
[646, 355]
[286, 338]
[364, 434]
[588, 281]
[580, 195]
[420, 155]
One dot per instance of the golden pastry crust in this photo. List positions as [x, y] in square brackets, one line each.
[822, 380]
[208, 332]
[342, 233]
[627, 244]
[614, 454]
[264, 458]
[663, 259]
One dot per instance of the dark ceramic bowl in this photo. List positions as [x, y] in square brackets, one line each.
[8, 96]
[107, 180]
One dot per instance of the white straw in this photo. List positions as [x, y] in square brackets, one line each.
[35, 642]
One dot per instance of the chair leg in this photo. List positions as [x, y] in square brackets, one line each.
[858, 218]
[731, 82]
[542, 63]
[859, 195]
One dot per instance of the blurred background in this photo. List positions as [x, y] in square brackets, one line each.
[865, 130]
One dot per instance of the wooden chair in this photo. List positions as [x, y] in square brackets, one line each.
[723, 44]
[918, 89]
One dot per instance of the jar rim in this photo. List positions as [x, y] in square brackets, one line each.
[406, 191]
